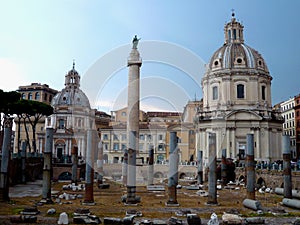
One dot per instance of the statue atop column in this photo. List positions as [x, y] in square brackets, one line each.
[135, 42]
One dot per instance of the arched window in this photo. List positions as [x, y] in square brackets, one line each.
[23, 96]
[240, 91]
[30, 96]
[215, 92]
[37, 96]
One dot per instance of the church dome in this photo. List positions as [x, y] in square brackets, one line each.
[237, 76]
[234, 54]
[71, 95]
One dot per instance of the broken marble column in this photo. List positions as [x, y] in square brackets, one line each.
[23, 162]
[200, 167]
[212, 176]
[173, 170]
[151, 165]
[74, 158]
[100, 164]
[89, 174]
[46, 191]
[131, 178]
[125, 167]
[250, 168]
[287, 172]
[6, 147]
[252, 204]
[224, 167]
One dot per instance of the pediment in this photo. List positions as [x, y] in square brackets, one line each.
[243, 115]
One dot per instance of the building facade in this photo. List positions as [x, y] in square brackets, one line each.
[114, 139]
[37, 92]
[237, 101]
[297, 123]
[289, 128]
[154, 129]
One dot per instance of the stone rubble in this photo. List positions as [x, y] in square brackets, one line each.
[63, 218]
[213, 220]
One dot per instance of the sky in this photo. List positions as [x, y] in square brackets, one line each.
[39, 40]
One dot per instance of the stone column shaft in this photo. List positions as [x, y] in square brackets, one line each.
[250, 167]
[74, 157]
[151, 165]
[89, 175]
[133, 112]
[46, 192]
[173, 169]
[212, 178]
[200, 167]
[224, 167]
[23, 162]
[131, 178]
[287, 172]
[6, 146]
[125, 167]
[100, 164]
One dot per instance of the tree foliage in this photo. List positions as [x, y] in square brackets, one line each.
[27, 111]
[31, 112]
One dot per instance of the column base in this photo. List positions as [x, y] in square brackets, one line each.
[88, 203]
[173, 204]
[212, 203]
[46, 201]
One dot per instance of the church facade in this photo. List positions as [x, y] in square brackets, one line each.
[71, 119]
[237, 101]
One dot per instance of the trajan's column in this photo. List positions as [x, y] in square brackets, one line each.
[134, 64]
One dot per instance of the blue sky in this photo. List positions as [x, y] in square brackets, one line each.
[40, 39]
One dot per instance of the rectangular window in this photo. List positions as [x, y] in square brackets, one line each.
[240, 91]
[105, 137]
[61, 124]
[142, 137]
[116, 146]
[263, 92]
[215, 93]
[123, 146]
[160, 137]
[149, 137]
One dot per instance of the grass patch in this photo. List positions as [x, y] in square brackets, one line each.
[17, 210]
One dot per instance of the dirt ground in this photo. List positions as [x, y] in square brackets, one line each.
[153, 204]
